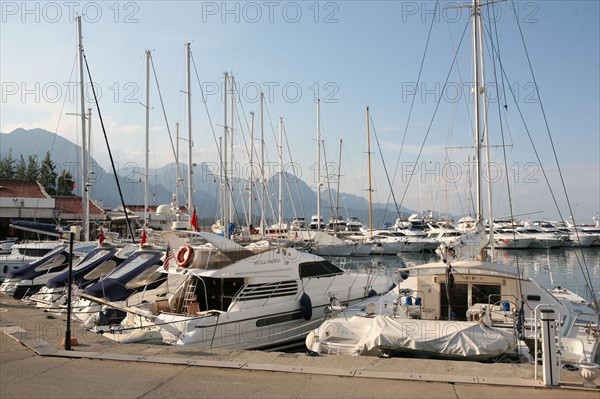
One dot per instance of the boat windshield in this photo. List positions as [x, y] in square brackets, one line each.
[133, 264]
[319, 269]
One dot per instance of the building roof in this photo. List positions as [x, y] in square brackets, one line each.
[73, 206]
[22, 189]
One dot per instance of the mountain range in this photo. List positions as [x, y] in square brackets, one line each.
[162, 184]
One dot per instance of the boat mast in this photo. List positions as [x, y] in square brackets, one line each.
[230, 182]
[339, 177]
[251, 168]
[280, 215]
[221, 185]
[318, 164]
[190, 202]
[146, 152]
[89, 156]
[262, 168]
[178, 183]
[487, 135]
[224, 192]
[85, 213]
[479, 93]
[477, 110]
[369, 189]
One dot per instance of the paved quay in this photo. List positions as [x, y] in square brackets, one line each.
[33, 365]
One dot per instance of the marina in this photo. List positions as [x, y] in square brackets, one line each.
[227, 262]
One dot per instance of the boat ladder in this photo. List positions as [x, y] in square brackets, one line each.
[189, 296]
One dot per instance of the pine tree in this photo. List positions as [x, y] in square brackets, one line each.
[65, 184]
[21, 169]
[48, 175]
[7, 167]
[33, 169]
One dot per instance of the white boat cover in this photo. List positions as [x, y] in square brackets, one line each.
[441, 338]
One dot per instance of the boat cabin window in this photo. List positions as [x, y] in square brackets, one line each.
[485, 293]
[318, 269]
[457, 309]
[534, 298]
[459, 298]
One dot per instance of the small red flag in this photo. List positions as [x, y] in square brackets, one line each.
[195, 220]
[144, 238]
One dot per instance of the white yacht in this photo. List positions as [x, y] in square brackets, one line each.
[462, 309]
[509, 239]
[540, 238]
[236, 298]
[316, 223]
[298, 224]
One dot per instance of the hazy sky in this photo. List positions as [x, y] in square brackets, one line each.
[350, 54]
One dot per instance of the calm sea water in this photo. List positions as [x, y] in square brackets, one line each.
[563, 267]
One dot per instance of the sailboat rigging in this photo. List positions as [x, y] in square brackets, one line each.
[477, 298]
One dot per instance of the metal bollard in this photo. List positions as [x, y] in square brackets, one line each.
[550, 358]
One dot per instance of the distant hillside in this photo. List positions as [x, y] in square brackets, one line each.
[303, 200]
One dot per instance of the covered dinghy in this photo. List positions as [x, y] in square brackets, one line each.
[362, 335]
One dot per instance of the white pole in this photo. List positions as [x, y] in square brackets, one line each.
[225, 183]
[85, 216]
[318, 164]
[230, 185]
[190, 201]
[251, 168]
[147, 150]
[476, 111]
[262, 168]
[89, 157]
[280, 218]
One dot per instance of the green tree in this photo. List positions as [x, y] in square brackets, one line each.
[65, 184]
[21, 169]
[48, 175]
[7, 167]
[33, 169]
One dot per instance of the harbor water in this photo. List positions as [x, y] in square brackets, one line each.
[563, 266]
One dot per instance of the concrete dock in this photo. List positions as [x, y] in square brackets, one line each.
[34, 365]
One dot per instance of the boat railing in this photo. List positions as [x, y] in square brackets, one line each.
[584, 321]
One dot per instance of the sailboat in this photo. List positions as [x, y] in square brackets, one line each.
[462, 306]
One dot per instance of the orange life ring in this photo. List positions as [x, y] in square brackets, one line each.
[184, 256]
